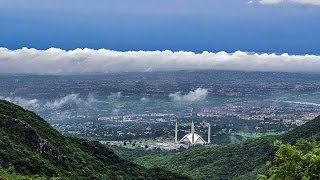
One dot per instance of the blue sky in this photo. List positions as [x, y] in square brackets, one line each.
[191, 25]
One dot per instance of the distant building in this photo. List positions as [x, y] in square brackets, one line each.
[192, 138]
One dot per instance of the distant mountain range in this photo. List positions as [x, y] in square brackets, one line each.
[31, 148]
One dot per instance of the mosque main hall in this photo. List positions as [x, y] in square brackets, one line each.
[192, 138]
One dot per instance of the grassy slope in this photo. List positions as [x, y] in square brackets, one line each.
[30, 146]
[236, 161]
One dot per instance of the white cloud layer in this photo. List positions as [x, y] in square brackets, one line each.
[68, 100]
[311, 2]
[26, 103]
[78, 61]
[196, 95]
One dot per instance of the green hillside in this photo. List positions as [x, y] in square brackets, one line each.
[30, 147]
[310, 130]
[236, 161]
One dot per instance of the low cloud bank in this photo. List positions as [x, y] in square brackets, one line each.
[25, 103]
[68, 100]
[80, 61]
[196, 95]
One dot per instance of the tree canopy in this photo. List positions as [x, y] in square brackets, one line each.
[299, 161]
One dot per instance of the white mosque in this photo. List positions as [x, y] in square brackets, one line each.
[192, 138]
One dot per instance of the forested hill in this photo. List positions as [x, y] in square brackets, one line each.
[235, 161]
[30, 147]
[310, 130]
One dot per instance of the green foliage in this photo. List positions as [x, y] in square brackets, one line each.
[237, 161]
[22, 132]
[310, 130]
[133, 154]
[10, 174]
[221, 162]
[300, 161]
[31, 148]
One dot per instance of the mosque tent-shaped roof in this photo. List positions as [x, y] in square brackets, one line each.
[197, 139]
[191, 138]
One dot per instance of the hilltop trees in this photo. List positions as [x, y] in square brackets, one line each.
[300, 161]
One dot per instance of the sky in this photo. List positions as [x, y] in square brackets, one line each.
[144, 35]
[271, 26]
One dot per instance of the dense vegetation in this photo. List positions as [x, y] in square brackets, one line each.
[236, 161]
[299, 161]
[30, 147]
[221, 162]
[12, 175]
